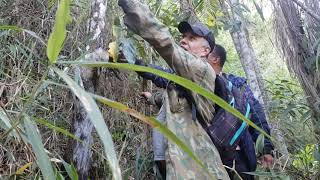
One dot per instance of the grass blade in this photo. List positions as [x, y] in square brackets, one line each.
[58, 129]
[71, 170]
[177, 79]
[34, 139]
[9, 27]
[16, 28]
[97, 120]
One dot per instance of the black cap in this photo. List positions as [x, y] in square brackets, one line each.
[199, 29]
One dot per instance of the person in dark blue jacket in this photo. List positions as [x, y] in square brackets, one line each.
[246, 159]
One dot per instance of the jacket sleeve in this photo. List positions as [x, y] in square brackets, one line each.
[141, 21]
[157, 80]
[258, 117]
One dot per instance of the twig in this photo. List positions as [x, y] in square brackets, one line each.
[234, 170]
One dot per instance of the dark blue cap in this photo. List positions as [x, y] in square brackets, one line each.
[199, 29]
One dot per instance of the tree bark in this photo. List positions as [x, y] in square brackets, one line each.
[87, 79]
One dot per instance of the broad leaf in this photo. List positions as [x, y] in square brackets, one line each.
[34, 139]
[260, 144]
[59, 32]
[97, 120]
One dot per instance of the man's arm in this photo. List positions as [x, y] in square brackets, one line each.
[141, 21]
[157, 80]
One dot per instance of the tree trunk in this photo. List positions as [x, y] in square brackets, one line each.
[247, 56]
[87, 79]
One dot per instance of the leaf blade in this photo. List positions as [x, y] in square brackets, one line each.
[59, 32]
[35, 140]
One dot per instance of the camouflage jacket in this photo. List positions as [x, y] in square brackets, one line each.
[141, 21]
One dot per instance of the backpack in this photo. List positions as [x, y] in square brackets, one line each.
[225, 130]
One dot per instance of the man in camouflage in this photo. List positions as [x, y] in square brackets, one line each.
[178, 112]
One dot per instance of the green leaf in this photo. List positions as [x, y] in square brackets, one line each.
[34, 139]
[8, 27]
[289, 109]
[59, 32]
[71, 170]
[97, 120]
[5, 123]
[260, 144]
[306, 116]
[153, 123]
[177, 79]
[51, 3]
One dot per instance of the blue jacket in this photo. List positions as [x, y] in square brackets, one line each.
[257, 114]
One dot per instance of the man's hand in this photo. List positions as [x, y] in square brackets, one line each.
[146, 95]
[266, 160]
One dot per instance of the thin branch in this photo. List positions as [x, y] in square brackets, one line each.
[310, 12]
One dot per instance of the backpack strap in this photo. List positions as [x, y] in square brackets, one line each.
[244, 124]
[242, 127]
